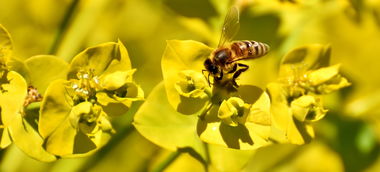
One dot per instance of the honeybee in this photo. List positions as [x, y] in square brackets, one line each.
[225, 58]
[32, 96]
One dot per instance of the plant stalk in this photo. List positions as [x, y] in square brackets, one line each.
[62, 28]
[169, 160]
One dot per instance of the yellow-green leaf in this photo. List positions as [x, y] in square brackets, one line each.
[102, 59]
[66, 141]
[243, 137]
[323, 75]
[117, 79]
[43, 69]
[305, 58]
[12, 95]
[298, 132]
[157, 121]
[55, 107]
[280, 112]
[27, 138]
[5, 45]
[5, 138]
[225, 159]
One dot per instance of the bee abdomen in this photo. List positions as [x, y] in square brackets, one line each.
[249, 49]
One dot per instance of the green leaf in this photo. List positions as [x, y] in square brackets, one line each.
[102, 59]
[157, 121]
[5, 45]
[27, 138]
[302, 59]
[12, 95]
[252, 134]
[180, 56]
[43, 69]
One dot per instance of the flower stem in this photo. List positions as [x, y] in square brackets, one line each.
[169, 160]
[205, 110]
[207, 150]
[62, 28]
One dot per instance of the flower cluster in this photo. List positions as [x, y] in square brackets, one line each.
[50, 108]
[304, 76]
[245, 117]
[99, 84]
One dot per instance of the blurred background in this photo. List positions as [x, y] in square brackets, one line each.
[347, 139]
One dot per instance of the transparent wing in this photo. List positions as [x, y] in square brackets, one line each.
[230, 26]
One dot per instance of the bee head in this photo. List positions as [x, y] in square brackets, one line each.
[211, 67]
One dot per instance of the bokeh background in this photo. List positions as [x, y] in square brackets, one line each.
[347, 139]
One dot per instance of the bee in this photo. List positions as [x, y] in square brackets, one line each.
[32, 96]
[224, 59]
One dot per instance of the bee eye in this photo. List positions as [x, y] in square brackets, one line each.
[207, 62]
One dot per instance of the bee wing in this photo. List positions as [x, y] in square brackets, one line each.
[231, 26]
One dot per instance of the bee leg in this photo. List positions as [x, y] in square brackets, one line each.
[243, 65]
[234, 68]
[208, 79]
[238, 72]
[203, 72]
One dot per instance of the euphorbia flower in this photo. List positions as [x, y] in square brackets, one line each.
[305, 75]
[75, 114]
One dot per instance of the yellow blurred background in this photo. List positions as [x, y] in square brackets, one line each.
[347, 139]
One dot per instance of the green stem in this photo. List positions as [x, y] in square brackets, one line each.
[207, 150]
[169, 160]
[205, 110]
[62, 28]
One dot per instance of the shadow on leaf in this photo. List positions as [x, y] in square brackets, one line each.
[82, 144]
[250, 94]
[232, 135]
[302, 129]
[189, 106]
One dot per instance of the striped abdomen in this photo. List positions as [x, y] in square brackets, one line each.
[248, 49]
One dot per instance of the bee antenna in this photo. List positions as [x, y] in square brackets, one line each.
[208, 79]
